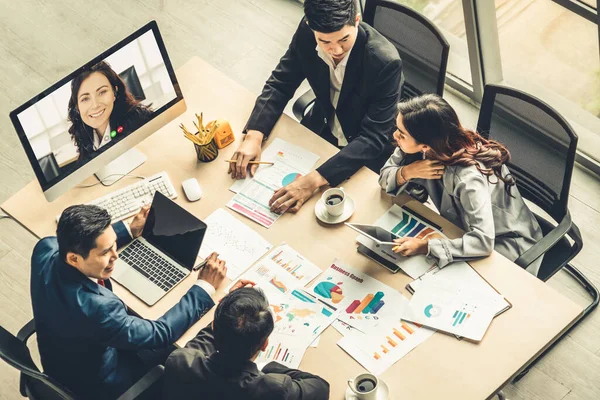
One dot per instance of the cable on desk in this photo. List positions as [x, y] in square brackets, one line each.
[97, 183]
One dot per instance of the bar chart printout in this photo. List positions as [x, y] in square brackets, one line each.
[380, 349]
[283, 350]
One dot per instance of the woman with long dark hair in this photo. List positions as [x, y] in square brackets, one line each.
[102, 109]
[466, 178]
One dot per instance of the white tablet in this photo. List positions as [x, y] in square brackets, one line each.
[375, 233]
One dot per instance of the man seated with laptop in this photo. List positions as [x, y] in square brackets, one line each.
[86, 338]
[219, 362]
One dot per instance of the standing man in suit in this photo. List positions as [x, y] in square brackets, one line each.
[219, 362]
[356, 75]
[87, 339]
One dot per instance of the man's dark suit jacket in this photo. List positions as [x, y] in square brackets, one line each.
[199, 372]
[367, 104]
[86, 338]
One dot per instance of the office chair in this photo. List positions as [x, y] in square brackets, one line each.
[132, 83]
[542, 146]
[37, 385]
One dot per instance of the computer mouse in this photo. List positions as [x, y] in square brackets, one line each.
[192, 189]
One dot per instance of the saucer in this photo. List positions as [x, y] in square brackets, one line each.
[382, 394]
[324, 216]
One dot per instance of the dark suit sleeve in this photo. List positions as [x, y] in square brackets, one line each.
[279, 89]
[299, 385]
[375, 129]
[204, 341]
[123, 236]
[114, 327]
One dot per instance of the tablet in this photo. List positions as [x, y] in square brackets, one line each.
[375, 233]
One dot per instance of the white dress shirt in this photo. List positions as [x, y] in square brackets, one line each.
[105, 139]
[336, 79]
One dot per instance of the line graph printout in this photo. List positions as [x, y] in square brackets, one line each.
[236, 243]
[280, 150]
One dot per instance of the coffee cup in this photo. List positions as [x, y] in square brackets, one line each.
[334, 200]
[364, 386]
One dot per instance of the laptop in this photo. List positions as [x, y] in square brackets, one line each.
[164, 255]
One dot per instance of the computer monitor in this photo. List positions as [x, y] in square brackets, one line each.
[89, 121]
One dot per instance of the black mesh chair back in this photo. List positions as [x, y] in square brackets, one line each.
[541, 143]
[542, 147]
[34, 384]
[422, 47]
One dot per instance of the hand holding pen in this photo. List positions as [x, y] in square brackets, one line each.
[212, 270]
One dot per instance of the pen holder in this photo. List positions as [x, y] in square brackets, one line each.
[207, 152]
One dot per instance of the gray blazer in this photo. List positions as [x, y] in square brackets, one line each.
[491, 218]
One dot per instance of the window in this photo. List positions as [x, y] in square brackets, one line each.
[552, 52]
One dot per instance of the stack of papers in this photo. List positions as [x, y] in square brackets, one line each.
[235, 242]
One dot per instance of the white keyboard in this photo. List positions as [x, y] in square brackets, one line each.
[128, 201]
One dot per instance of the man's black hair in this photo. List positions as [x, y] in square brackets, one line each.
[242, 323]
[79, 227]
[328, 16]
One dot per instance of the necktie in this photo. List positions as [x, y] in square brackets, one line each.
[101, 282]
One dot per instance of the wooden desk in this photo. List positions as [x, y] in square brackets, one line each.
[442, 367]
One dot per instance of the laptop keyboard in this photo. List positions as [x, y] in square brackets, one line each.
[153, 266]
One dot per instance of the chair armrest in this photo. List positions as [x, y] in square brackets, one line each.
[303, 102]
[26, 331]
[546, 243]
[143, 384]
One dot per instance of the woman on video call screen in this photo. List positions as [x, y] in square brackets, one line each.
[101, 109]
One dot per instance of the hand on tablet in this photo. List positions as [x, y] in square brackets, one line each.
[410, 246]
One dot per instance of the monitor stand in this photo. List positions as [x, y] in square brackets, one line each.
[120, 167]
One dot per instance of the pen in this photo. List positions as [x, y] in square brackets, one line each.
[202, 264]
[253, 162]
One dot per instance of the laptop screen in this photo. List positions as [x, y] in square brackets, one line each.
[174, 231]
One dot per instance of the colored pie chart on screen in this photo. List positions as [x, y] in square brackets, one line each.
[289, 178]
[432, 311]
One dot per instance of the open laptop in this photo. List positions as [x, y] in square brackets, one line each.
[164, 255]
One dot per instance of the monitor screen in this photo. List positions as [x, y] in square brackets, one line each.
[86, 115]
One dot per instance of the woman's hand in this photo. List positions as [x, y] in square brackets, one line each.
[410, 246]
[424, 169]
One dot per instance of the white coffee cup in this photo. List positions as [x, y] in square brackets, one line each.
[364, 386]
[334, 200]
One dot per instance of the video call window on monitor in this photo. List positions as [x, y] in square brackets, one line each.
[101, 110]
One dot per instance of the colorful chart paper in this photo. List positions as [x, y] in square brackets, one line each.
[464, 313]
[360, 299]
[384, 346]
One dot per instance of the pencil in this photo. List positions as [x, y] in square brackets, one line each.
[253, 162]
[395, 248]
